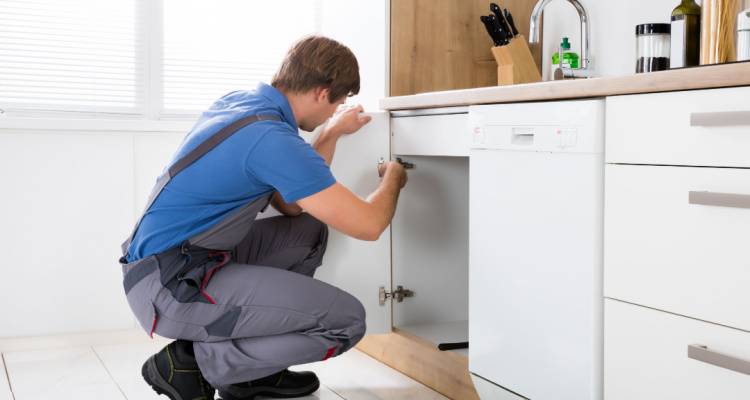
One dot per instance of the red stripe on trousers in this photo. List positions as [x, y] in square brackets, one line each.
[329, 353]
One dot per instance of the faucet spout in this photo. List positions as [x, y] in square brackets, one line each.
[536, 14]
[535, 34]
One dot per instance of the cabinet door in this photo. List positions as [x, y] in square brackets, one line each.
[356, 266]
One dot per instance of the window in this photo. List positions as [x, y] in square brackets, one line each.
[214, 47]
[151, 58]
[72, 55]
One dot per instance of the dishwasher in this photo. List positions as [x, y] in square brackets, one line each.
[535, 250]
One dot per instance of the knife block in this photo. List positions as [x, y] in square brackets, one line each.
[515, 64]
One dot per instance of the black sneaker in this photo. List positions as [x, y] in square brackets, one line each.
[284, 384]
[174, 373]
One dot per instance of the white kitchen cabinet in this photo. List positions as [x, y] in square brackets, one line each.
[421, 133]
[648, 356]
[677, 204]
[430, 249]
[425, 252]
[699, 127]
[665, 250]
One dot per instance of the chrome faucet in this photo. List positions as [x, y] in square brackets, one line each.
[535, 34]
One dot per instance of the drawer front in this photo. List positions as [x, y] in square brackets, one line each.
[431, 135]
[702, 128]
[646, 357]
[683, 252]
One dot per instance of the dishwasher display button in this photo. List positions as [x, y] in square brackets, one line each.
[567, 137]
[478, 135]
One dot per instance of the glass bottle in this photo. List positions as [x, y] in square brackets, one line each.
[686, 35]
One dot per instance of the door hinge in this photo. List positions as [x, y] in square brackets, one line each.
[399, 294]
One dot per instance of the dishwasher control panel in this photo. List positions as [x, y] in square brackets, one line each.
[564, 126]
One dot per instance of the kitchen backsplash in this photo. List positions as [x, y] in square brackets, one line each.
[612, 30]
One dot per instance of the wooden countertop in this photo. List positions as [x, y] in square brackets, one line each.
[704, 77]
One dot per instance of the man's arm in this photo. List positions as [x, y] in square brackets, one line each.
[366, 219]
[344, 122]
[288, 209]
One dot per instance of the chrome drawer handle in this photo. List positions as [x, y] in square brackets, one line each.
[703, 353]
[719, 199]
[726, 118]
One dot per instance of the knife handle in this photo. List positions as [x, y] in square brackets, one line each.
[496, 10]
[500, 33]
[490, 29]
[509, 18]
[501, 19]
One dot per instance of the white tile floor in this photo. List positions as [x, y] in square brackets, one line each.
[106, 366]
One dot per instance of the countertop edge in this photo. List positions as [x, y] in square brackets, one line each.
[703, 77]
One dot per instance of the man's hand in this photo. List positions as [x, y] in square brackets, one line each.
[393, 167]
[342, 210]
[347, 120]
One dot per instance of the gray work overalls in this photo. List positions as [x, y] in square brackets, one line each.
[243, 290]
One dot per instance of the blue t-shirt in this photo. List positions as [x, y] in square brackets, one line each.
[263, 157]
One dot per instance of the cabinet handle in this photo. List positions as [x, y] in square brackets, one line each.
[719, 199]
[726, 118]
[703, 353]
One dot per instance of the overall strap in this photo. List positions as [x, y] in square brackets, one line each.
[187, 160]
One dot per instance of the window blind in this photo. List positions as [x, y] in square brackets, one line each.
[72, 55]
[214, 47]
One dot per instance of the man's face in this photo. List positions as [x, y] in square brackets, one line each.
[321, 110]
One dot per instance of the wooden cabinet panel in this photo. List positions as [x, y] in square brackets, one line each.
[442, 45]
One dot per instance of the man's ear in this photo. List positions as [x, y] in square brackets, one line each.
[321, 94]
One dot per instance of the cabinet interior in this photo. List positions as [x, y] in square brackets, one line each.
[430, 250]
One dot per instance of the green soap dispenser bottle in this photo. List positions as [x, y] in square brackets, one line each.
[570, 59]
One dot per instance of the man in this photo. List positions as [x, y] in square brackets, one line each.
[239, 294]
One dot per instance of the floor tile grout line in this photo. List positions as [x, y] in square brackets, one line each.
[98, 357]
[7, 375]
[334, 392]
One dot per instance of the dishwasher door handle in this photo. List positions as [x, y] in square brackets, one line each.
[717, 119]
[719, 199]
[703, 353]
[522, 136]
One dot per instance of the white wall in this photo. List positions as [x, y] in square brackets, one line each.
[362, 25]
[69, 198]
[612, 30]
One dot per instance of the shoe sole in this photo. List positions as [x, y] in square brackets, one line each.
[275, 393]
[156, 381]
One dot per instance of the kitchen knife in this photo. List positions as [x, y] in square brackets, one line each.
[490, 29]
[509, 18]
[501, 18]
[500, 33]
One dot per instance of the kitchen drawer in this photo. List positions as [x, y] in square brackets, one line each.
[431, 135]
[646, 357]
[663, 252]
[702, 128]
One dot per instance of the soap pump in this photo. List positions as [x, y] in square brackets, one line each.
[568, 59]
